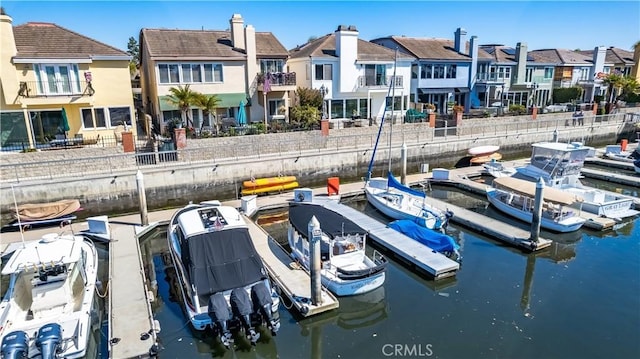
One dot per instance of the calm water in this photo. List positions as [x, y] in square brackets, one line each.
[578, 299]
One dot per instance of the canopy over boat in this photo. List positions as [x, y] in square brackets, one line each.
[331, 223]
[528, 188]
[43, 211]
[49, 250]
[221, 260]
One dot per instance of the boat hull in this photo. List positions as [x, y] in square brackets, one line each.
[383, 201]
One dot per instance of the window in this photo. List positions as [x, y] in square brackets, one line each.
[87, 118]
[271, 66]
[528, 76]
[606, 69]
[323, 71]
[426, 72]
[88, 121]
[438, 71]
[352, 107]
[364, 108]
[375, 75]
[189, 73]
[548, 72]
[57, 79]
[168, 73]
[274, 105]
[414, 71]
[451, 71]
[119, 116]
[583, 75]
[504, 72]
[171, 115]
[337, 108]
[397, 103]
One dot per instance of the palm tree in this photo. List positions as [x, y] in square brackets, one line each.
[614, 82]
[183, 98]
[208, 105]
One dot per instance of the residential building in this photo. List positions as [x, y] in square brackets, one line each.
[357, 76]
[49, 73]
[231, 64]
[443, 72]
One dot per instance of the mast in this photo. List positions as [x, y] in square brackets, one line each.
[393, 98]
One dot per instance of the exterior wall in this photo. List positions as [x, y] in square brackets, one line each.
[8, 71]
[233, 79]
[461, 80]
[347, 51]
[302, 68]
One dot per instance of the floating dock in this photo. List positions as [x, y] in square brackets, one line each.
[294, 282]
[431, 262]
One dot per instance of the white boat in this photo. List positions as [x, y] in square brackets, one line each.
[559, 165]
[516, 198]
[222, 279]
[614, 152]
[483, 150]
[346, 269]
[497, 169]
[48, 309]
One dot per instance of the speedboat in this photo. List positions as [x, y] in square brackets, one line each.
[346, 268]
[559, 166]
[222, 279]
[614, 152]
[398, 201]
[516, 198]
[48, 309]
[497, 169]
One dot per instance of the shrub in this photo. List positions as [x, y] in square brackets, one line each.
[569, 94]
[518, 109]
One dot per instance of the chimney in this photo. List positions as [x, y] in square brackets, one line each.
[473, 70]
[8, 73]
[237, 31]
[347, 52]
[599, 54]
[635, 70]
[521, 62]
[460, 41]
[251, 66]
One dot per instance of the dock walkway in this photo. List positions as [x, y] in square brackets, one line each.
[435, 264]
[294, 282]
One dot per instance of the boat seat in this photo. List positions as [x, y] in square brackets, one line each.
[49, 298]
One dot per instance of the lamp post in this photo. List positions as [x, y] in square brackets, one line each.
[502, 99]
[534, 94]
[323, 93]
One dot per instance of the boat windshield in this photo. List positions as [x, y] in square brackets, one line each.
[559, 163]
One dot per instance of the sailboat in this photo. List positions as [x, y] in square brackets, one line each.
[395, 199]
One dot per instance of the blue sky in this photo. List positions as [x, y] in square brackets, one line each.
[541, 24]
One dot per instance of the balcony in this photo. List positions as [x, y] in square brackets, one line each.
[379, 81]
[278, 81]
[33, 89]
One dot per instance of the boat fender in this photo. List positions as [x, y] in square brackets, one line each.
[15, 345]
[48, 340]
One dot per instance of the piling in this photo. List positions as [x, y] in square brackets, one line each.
[142, 197]
[537, 211]
[315, 236]
[403, 155]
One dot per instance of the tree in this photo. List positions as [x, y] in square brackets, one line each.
[309, 97]
[208, 104]
[614, 83]
[183, 98]
[133, 49]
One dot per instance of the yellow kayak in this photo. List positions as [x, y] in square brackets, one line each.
[268, 181]
[272, 188]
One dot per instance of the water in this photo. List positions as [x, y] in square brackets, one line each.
[576, 299]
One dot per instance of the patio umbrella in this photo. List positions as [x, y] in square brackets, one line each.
[64, 122]
[242, 115]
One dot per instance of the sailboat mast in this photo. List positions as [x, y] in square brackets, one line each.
[393, 97]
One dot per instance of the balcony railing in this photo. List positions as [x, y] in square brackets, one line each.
[278, 78]
[379, 81]
[55, 88]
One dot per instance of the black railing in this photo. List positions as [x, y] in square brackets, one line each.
[55, 88]
[278, 78]
[382, 81]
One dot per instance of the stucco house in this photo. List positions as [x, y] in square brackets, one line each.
[49, 72]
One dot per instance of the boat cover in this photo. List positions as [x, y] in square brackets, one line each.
[528, 188]
[221, 260]
[331, 223]
[44, 211]
[430, 238]
[393, 182]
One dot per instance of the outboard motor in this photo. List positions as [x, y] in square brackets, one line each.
[15, 345]
[220, 314]
[48, 340]
[242, 308]
[262, 303]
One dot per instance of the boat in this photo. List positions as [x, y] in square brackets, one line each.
[270, 188]
[614, 152]
[497, 169]
[223, 282]
[636, 165]
[435, 240]
[346, 268]
[559, 166]
[30, 215]
[48, 309]
[483, 150]
[268, 181]
[478, 160]
[516, 198]
[397, 200]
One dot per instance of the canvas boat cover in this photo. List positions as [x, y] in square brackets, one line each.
[221, 260]
[528, 188]
[331, 223]
[430, 238]
[393, 182]
[44, 211]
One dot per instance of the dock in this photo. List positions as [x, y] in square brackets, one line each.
[412, 252]
[292, 280]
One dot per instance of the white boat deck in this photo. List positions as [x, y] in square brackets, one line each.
[293, 281]
[436, 264]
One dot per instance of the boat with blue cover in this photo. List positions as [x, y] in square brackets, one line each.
[435, 240]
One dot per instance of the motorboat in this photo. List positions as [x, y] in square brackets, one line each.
[398, 201]
[48, 309]
[346, 268]
[615, 152]
[559, 166]
[516, 198]
[223, 282]
[497, 169]
[32, 215]
[435, 240]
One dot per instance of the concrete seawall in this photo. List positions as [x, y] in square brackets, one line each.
[174, 184]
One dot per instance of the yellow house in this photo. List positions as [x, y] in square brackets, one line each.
[49, 73]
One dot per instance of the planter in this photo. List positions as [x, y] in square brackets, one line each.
[534, 112]
[432, 120]
[458, 117]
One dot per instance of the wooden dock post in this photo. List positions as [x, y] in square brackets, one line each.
[537, 211]
[142, 197]
[315, 236]
[403, 155]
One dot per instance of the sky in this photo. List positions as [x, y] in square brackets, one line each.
[538, 23]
